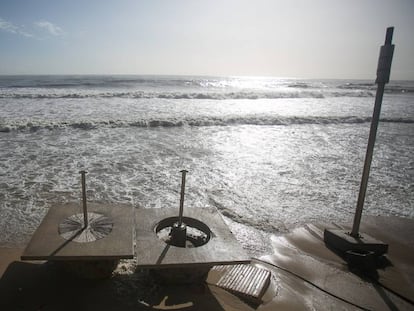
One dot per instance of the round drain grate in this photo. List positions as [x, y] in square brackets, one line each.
[197, 232]
[72, 228]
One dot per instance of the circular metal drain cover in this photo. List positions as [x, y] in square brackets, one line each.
[197, 233]
[72, 228]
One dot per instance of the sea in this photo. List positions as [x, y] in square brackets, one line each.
[270, 154]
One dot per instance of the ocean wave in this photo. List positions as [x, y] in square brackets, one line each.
[33, 126]
[104, 81]
[190, 95]
[390, 88]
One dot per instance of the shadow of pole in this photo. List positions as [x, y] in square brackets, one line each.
[79, 232]
[163, 254]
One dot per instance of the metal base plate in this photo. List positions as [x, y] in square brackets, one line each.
[246, 281]
[343, 242]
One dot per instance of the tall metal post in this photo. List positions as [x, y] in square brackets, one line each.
[178, 233]
[383, 77]
[180, 216]
[85, 209]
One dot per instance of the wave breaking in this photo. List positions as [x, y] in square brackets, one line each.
[35, 125]
[252, 95]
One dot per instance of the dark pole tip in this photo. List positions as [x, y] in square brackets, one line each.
[83, 172]
[388, 36]
[184, 171]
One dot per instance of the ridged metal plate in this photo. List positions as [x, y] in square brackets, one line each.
[247, 281]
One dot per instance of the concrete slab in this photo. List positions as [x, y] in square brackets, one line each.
[221, 249]
[48, 244]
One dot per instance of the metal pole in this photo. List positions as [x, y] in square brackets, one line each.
[85, 209]
[180, 216]
[383, 76]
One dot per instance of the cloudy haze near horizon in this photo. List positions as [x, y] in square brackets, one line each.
[303, 39]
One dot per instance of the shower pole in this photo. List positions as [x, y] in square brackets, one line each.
[383, 77]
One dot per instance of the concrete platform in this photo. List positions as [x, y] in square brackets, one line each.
[221, 249]
[306, 275]
[48, 244]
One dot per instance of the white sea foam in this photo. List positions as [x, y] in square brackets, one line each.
[268, 164]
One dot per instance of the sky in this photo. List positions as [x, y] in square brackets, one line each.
[281, 38]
